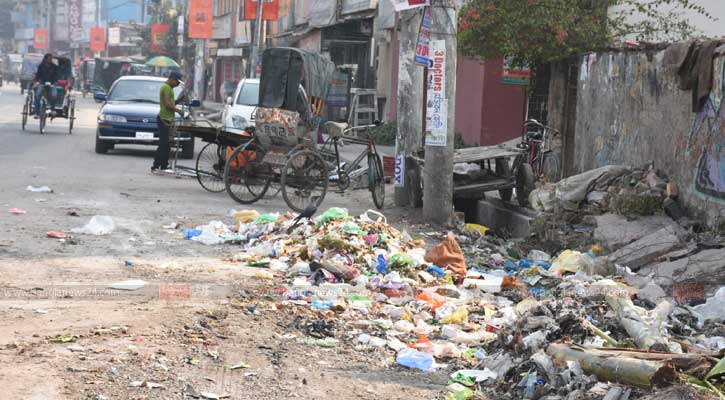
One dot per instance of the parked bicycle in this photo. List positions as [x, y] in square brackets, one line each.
[343, 173]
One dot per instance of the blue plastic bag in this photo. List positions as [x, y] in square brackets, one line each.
[382, 265]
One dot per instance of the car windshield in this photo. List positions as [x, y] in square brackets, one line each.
[142, 91]
[249, 95]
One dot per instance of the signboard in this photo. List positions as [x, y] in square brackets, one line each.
[399, 178]
[200, 19]
[270, 10]
[437, 105]
[515, 75]
[401, 5]
[222, 27]
[180, 26]
[338, 96]
[422, 49]
[40, 38]
[158, 37]
[114, 36]
[355, 6]
[98, 39]
[75, 20]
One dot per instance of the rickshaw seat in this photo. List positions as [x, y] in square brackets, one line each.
[335, 129]
[62, 82]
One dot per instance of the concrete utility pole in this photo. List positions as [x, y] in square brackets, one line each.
[257, 40]
[410, 95]
[49, 12]
[438, 174]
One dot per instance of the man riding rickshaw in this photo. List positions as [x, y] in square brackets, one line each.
[50, 92]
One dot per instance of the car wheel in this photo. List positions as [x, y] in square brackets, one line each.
[187, 150]
[101, 148]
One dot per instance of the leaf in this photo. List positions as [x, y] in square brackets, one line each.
[718, 369]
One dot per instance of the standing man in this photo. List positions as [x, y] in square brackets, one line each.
[46, 73]
[165, 119]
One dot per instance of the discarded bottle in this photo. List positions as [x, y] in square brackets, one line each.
[413, 358]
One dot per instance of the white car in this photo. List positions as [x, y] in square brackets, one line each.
[239, 109]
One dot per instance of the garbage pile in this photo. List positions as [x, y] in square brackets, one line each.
[502, 323]
[613, 188]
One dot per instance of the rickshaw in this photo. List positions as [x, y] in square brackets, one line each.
[28, 70]
[57, 100]
[293, 86]
[88, 68]
[12, 63]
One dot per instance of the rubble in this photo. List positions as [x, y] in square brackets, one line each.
[501, 318]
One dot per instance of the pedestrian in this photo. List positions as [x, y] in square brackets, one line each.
[166, 117]
[47, 72]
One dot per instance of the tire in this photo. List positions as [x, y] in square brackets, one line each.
[42, 116]
[304, 180]
[415, 187]
[187, 150]
[210, 167]
[71, 116]
[26, 111]
[376, 180]
[503, 169]
[525, 182]
[247, 184]
[101, 148]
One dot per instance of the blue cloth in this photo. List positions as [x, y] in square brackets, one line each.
[36, 99]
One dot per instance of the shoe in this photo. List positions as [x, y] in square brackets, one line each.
[35, 117]
[154, 168]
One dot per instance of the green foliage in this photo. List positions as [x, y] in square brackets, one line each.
[165, 14]
[385, 134]
[541, 31]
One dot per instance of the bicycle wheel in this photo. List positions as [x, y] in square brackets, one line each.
[42, 115]
[210, 167]
[246, 176]
[376, 180]
[71, 116]
[304, 180]
[26, 111]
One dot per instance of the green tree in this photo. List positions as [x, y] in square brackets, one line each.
[163, 14]
[542, 31]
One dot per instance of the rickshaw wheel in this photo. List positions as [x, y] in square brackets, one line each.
[71, 116]
[42, 115]
[26, 111]
[246, 176]
[210, 168]
[304, 180]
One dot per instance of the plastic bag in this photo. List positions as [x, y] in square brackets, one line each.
[98, 225]
[413, 358]
[245, 216]
[333, 214]
[400, 260]
[570, 261]
[448, 255]
[476, 228]
[352, 228]
[266, 218]
[379, 217]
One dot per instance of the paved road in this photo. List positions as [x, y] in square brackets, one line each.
[118, 184]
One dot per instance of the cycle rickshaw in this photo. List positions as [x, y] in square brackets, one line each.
[57, 99]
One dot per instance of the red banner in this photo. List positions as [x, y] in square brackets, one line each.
[158, 37]
[270, 10]
[98, 39]
[200, 19]
[40, 38]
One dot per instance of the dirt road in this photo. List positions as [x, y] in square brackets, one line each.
[65, 335]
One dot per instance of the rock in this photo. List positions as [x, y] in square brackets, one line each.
[614, 231]
[707, 263]
[652, 292]
[654, 181]
[647, 249]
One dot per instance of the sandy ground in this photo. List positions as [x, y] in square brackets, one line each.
[196, 313]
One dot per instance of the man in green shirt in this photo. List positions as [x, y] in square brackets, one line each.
[165, 119]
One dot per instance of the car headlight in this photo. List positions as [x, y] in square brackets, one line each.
[111, 118]
[239, 122]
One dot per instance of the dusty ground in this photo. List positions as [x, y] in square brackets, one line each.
[196, 314]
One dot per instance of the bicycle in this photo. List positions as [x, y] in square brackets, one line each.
[342, 173]
[537, 163]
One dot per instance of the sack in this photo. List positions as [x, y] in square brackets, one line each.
[242, 158]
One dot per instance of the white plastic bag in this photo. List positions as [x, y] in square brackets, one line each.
[98, 225]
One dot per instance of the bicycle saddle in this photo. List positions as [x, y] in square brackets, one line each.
[533, 122]
[335, 129]
[535, 135]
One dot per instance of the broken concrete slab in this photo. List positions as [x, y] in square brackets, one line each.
[503, 217]
[614, 231]
[649, 248]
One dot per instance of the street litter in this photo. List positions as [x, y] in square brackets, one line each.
[504, 316]
[57, 235]
[39, 189]
[17, 211]
[134, 284]
[98, 225]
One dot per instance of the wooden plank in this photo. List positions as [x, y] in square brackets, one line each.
[473, 154]
[482, 187]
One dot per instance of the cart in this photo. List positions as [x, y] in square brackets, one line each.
[57, 100]
[282, 153]
[482, 169]
[28, 70]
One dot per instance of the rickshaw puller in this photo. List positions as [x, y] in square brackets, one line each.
[47, 72]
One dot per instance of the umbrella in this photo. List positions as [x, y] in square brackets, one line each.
[163, 62]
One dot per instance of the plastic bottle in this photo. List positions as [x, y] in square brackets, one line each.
[413, 358]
